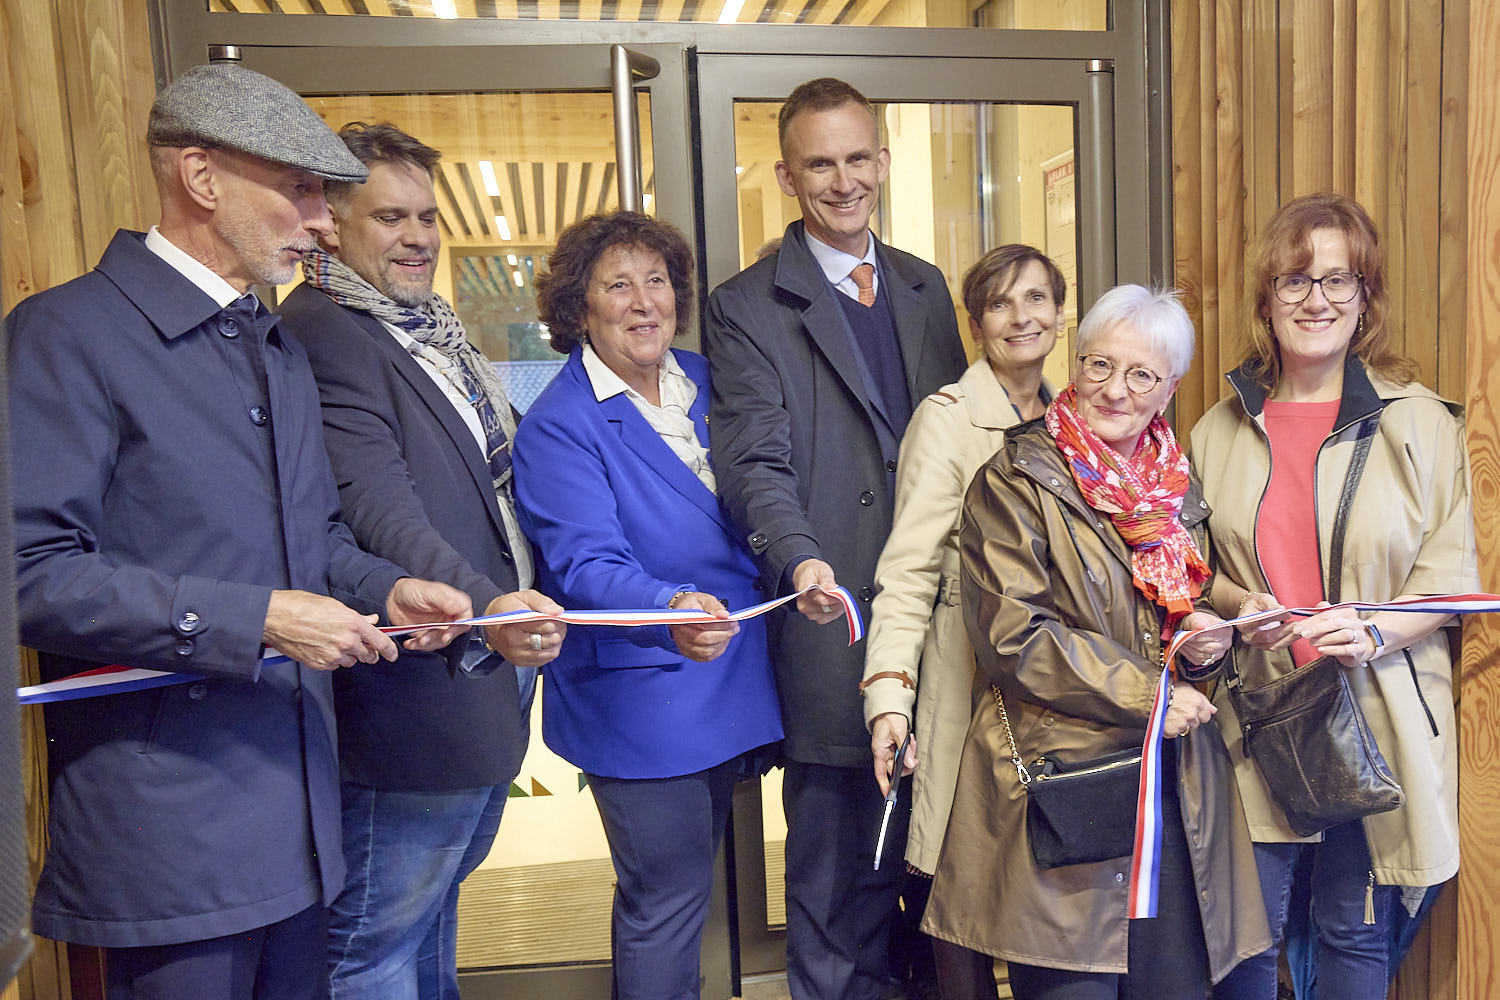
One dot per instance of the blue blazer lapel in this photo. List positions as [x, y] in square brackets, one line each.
[442, 411]
[638, 436]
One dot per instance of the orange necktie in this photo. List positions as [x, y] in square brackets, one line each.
[864, 279]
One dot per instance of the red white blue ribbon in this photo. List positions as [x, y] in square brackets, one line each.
[1145, 871]
[1145, 862]
[117, 678]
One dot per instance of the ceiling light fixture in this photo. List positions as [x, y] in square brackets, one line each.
[487, 172]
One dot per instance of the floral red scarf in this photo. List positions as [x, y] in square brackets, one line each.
[1143, 496]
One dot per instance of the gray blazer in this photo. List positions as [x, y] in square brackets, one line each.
[805, 465]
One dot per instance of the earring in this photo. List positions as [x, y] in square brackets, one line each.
[1359, 328]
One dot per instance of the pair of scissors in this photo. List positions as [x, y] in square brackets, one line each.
[897, 766]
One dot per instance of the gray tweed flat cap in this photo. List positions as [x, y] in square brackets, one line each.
[222, 104]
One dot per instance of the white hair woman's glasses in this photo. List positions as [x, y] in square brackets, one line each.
[1138, 380]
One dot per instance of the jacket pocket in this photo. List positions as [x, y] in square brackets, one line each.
[1411, 668]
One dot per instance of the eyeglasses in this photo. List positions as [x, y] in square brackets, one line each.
[1338, 286]
[1100, 369]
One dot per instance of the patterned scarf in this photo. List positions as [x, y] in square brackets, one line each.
[433, 324]
[1143, 496]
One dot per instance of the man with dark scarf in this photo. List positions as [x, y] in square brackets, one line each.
[418, 429]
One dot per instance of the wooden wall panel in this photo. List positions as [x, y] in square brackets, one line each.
[1370, 98]
[1478, 965]
[75, 85]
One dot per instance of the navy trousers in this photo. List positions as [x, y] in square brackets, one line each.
[839, 909]
[663, 836]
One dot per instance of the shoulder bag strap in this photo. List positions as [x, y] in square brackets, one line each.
[1022, 774]
[1346, 502]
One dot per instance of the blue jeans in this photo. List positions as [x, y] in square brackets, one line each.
[1353, 959]
[393, 929]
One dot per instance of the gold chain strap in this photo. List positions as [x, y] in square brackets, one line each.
[1022, 774]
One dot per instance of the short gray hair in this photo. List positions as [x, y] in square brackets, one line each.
[1155, 312]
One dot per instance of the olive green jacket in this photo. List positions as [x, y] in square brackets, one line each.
[1058, 624]
[1410, 531]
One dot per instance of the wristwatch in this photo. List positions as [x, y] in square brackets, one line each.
[1377, 639]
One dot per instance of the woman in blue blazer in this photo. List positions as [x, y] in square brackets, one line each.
[615, 490]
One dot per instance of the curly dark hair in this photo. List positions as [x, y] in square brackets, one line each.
[561, 292]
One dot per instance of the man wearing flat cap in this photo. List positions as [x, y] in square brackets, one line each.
[175, 510]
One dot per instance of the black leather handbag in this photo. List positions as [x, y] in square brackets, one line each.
[1077, 812]
[1304, 730]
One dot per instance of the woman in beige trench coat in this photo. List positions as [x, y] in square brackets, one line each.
[1055, 600]
[919, 667]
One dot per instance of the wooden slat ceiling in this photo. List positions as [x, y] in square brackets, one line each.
[560, 168]
[752, 12]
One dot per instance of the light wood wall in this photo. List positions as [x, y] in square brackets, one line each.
[1477, 970]
[1272, 99]
[1378, 99]
[76, 82]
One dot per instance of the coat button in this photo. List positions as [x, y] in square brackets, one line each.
[185, 647]
[229, 327]
[1020, 461]
[1119, 878]
[1047, 720]
[259, 415]
[890, 466]
[1203, 504]
[866, 594]
[1054, 482]
[757, 540]
[867, 498]
[188, 623]
[197, 692]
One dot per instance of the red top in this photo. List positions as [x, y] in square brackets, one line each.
[1286, 530]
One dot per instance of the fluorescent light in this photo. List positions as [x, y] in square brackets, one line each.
[510, 259]
[731, 11]
[487, 171]
[516, 277]
[444, 9]
[502, 227]
[647, 202]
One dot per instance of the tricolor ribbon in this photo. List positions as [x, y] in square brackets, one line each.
[1145, 871]
[117, 678]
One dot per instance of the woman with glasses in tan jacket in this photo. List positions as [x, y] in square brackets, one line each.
[1275, 460]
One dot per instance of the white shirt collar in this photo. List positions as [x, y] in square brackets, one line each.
[836, 263]
[191, 268]
[606, 383]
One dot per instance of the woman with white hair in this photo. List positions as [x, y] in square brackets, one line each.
[1083, 548]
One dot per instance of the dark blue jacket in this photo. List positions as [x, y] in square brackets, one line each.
[169, 474]
[620, 522]
[415, 488]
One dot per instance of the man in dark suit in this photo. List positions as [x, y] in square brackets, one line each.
[419, 430]
[818, 355]
[175, 511]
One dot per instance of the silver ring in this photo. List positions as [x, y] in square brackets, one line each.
[827, 609]
[535, 642]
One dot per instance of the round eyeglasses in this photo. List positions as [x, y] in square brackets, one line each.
[1100, 369]
[1338, 286]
